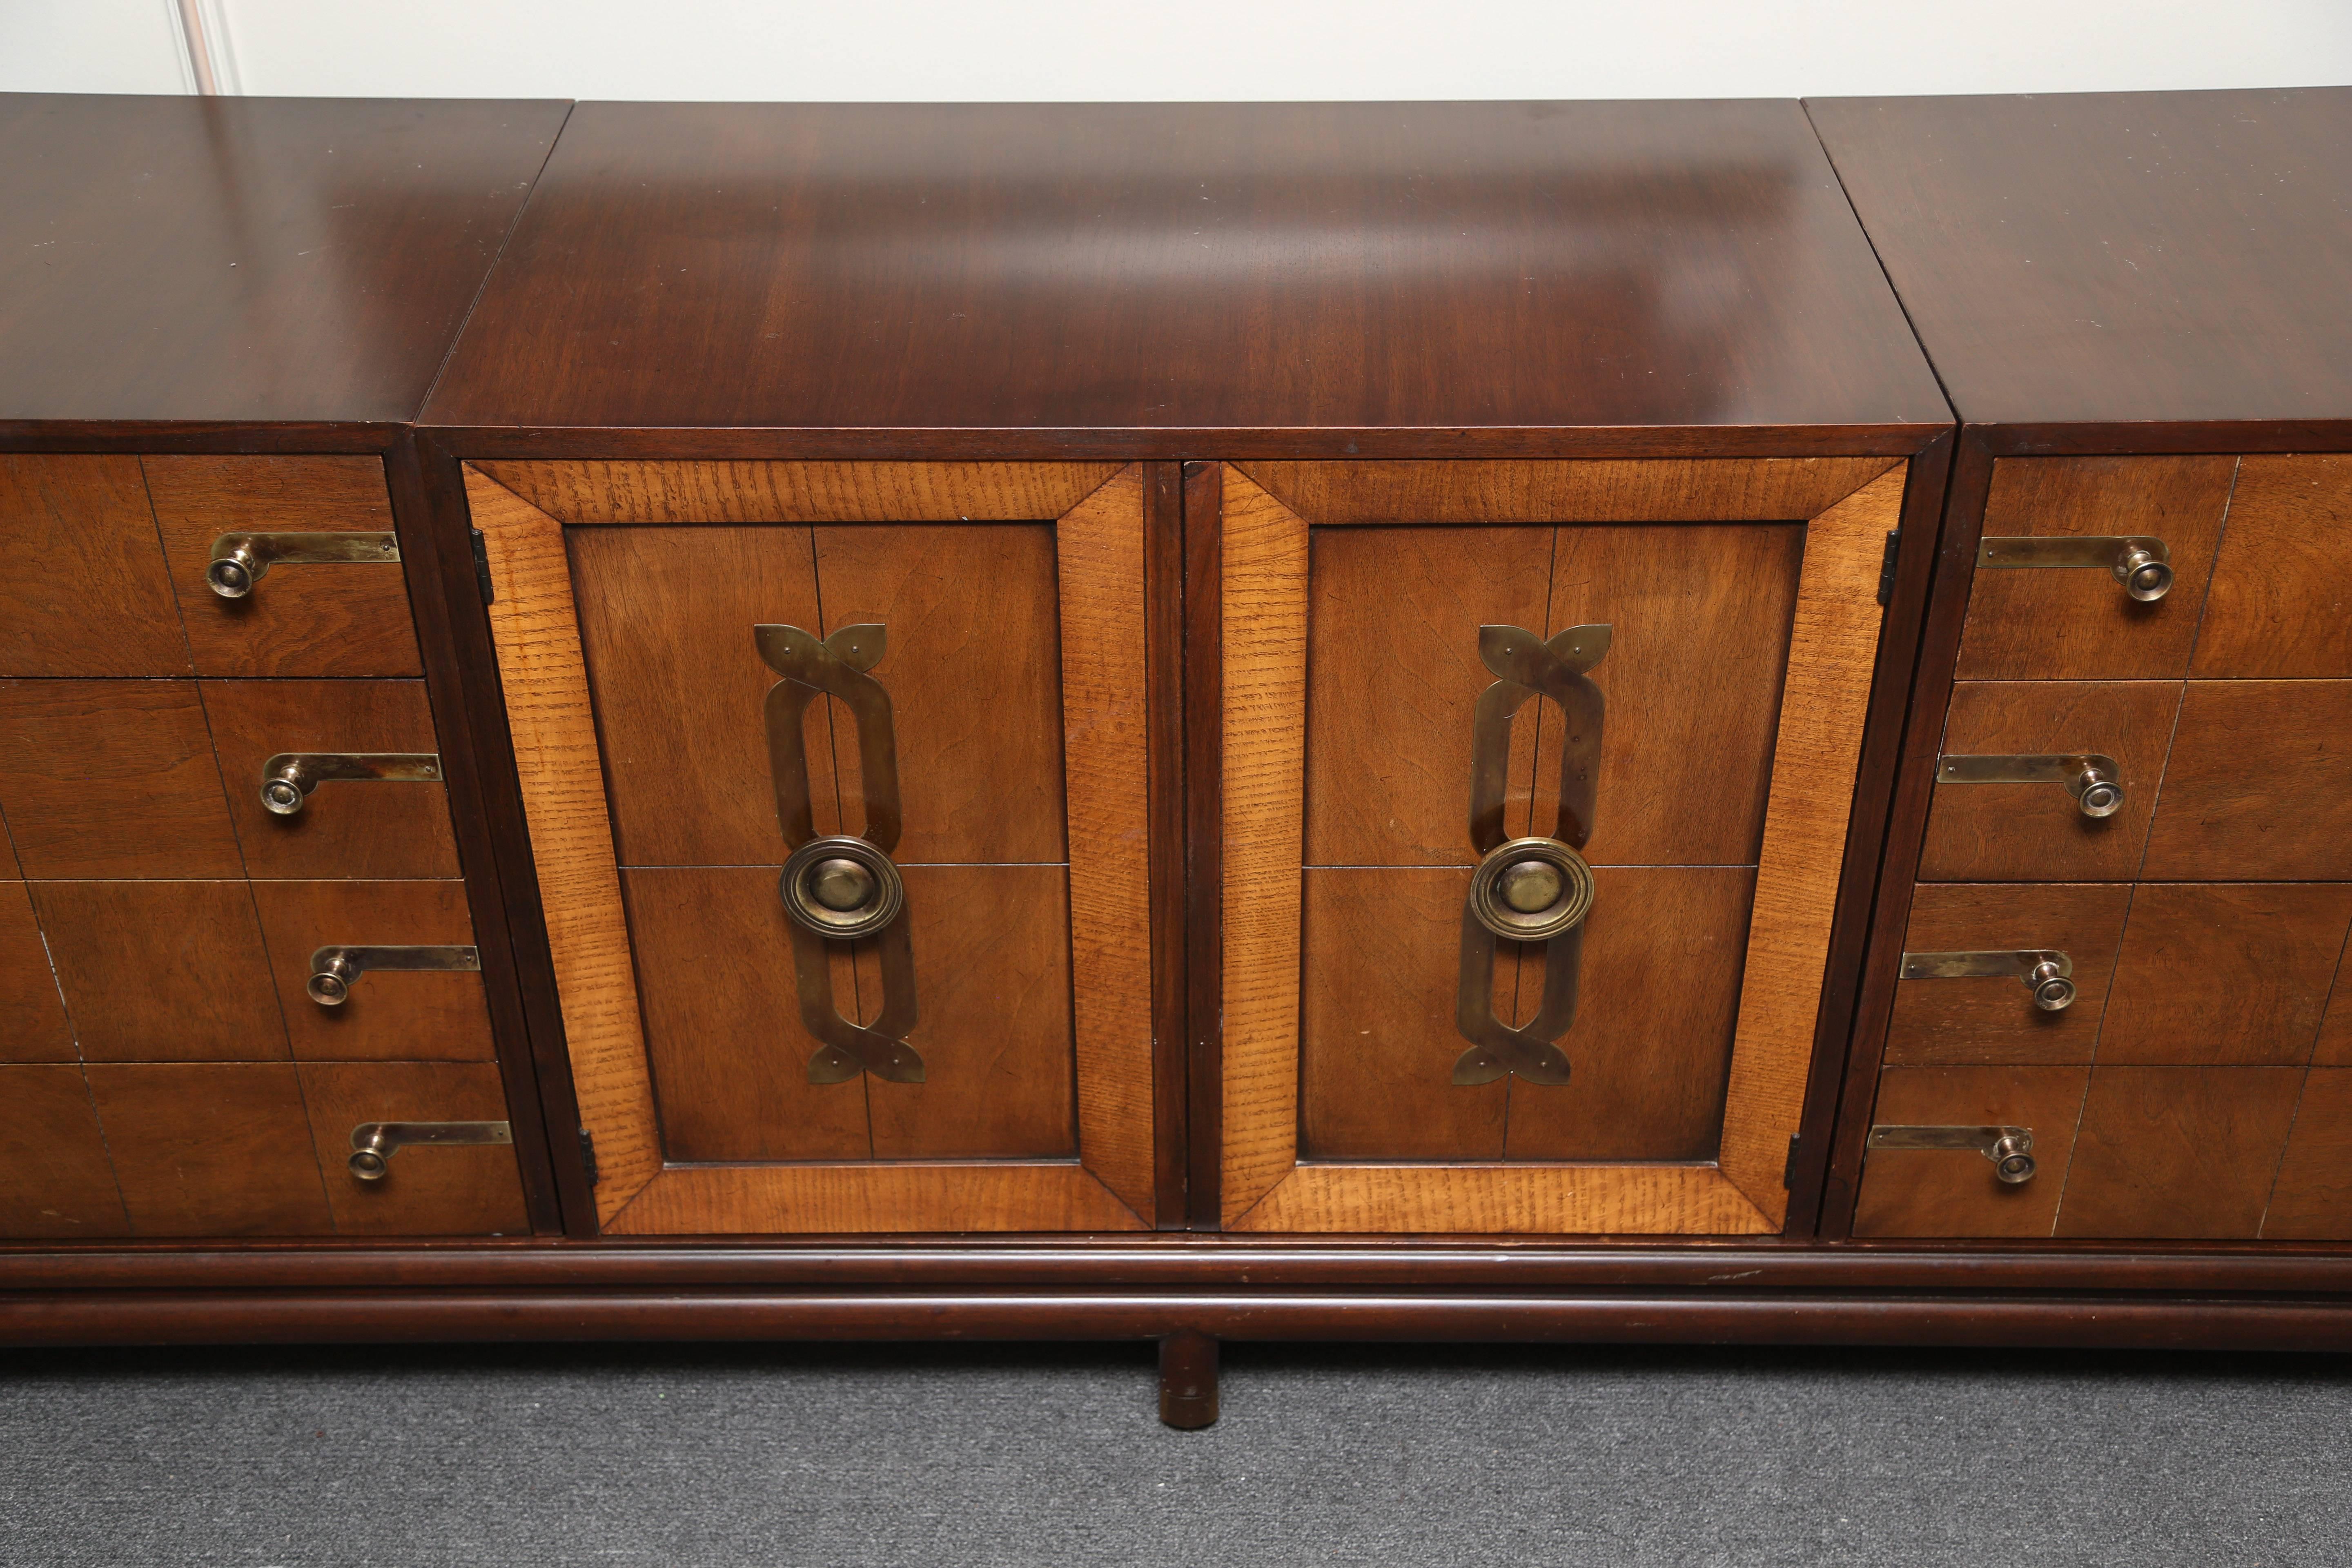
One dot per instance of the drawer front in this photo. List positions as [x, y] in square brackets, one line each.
[424, 1189]
[55, 1180]
[90, 594]
[1995, 1018]
[1930, 1192]
[112, 779]
[2188, 1152]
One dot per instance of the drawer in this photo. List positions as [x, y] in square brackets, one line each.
[1957, 1192]
[386, 1014]
[91, 594]
[1995, 1019]
[2313, 1198]
[2259, 785]
[343, 827]
[297, 619]
[212, 1149]
[158, 971]
[32, 1021]
[55, 1180]
[2279, 606]
[112, 778]
[2225, 974]
[426, 1189]
[2078, 623]
[2335, 1047]
[2037, 831]
[2178, 1151]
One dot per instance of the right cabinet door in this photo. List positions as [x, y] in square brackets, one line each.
[1535, 785]
[2181, 1082]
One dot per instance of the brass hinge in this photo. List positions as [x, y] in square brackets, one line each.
[588, 1154]
[1886, 568]
[482, 569]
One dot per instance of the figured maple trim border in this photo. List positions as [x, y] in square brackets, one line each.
[1832, 650]
[535, 629]
[583, 493]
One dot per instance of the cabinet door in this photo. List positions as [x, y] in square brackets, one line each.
[1651, 675]
[948, 698]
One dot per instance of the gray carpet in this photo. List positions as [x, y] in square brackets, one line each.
[687, 1456]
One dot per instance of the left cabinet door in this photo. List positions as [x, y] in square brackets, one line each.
[837, 779]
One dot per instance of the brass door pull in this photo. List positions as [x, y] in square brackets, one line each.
[2011, 1149]
[2046, 972]
[373, 1143]
[838, 887]
[2096, 781]
[333, 969]
[2141, 564]
[241, 560]
[287, 778]
[1529, 890]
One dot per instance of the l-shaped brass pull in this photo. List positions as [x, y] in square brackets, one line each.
[2047, 973]
[2140, 562]
[1530, 890]
[2093, 778]
[241, 560]
[373, 1143]
[2011, 1149]
[333, 969]
[839, 887]
[287, 778]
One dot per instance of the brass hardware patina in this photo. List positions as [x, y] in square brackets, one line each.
[2011, 1149]
[2094, 780]
[241, 560]
[373, 1143]
[2143, 565]
[287, 778]
[2045, 972]
[1529, 890]
[837, 888]
[333, 969]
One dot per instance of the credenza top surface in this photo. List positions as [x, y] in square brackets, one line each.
[247, 259]
[2116, 257]
[1359, 265]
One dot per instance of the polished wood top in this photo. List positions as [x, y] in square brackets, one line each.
[2116, 257]
[230, 260]
[1187, 268]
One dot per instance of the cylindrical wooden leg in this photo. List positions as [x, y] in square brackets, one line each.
[1188, 1380]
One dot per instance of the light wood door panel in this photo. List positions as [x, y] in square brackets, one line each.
[112, 779]
[211, 1150]
[162, 970]
[2178, 1151]
[1954, 1192]
[2225, 973]
[389, 1016]
[55, 1178]
[32, 1019]
[2260, 785]
[90, 594]
[2280, 608]
[458, 1190]
[1954, 1023]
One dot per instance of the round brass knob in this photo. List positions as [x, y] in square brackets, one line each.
[1531, 890]
[840, 885]
[368, 1165]
[329, 989]
[231, 575]
[2098, 792]
[841, 888]
[2144, 576]
[2053, 991]
[281, 797]
[2012, 1160]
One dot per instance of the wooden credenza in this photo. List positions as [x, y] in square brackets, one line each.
[1144, 721]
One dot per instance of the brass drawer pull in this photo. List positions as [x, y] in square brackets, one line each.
[241, 560]
[287, 778]
[2045, 972]
[2141, 564]
[2011, 1149]
[1529, 890]
[332, 969]
[373, 1143]
[838, 887]
[2094, 780]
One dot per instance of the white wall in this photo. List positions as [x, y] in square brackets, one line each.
[1077, 50]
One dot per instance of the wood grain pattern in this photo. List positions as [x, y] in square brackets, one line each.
[873, 1200]
[553, 723]
[1832, 647]
[2079, 624]
[652, 492]
[1533, 1200]
[32, 1019]
[1098, 547]
[319, 620]
[239, 1163]
[90, 595]
[1393, 678]
[2259, 785]
[2335, 1047]
[2312, 1200]
[1722, 489]
[1994, 1023]
[1949, 1192]
[2280, 608]
[55, 1178]
[418, 1018]
[972, 668]
[2034, 832]
[112, 779]
[428, 1191]
[2178, 1151]
[162, 970]
[367, 829]
[666, 617]
[1263, 588]
[2225, 973]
